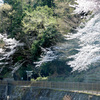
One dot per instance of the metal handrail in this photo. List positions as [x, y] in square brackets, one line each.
[70, 86]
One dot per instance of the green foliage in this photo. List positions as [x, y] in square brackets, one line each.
[35, 50]
[5, 17]
[21, 73]
[15, 17]
[19, 58]
[45, 39]
[37, 23]
[5, 72]
[49, 37]
[53, 67]
[38, 20]
[41, 24]
[66, 19]
[49, 3]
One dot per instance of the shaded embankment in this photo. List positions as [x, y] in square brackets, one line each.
[48, 90]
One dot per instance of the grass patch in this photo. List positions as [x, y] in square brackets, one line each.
[40, 79]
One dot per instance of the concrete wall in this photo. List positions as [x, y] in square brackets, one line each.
[32, 93]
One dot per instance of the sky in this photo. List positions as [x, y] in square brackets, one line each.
[1, 2]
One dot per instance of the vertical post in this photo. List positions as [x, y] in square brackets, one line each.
[73, 86]
[64, 85]
[97, 86]
[50, 85]
[83, 87]
[60, 85]
[77, 86]
[7, 90]
[92, 87]
[86, 88]
[27, 77]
